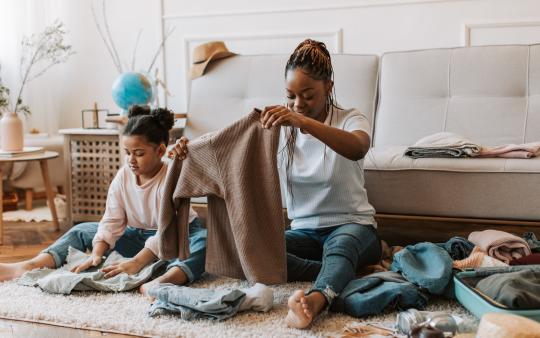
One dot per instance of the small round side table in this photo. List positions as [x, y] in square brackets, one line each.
[42, 157]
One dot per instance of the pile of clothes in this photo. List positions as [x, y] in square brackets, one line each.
[407, 277]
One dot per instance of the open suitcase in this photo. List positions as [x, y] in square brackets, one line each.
[479, 304]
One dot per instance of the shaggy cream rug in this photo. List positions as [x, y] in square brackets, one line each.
[127, 313]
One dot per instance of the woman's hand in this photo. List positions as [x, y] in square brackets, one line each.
[95, 259]
[130, 267]
[281, 115]
[180, 149]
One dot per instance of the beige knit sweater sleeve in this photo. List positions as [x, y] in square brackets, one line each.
[195, 176]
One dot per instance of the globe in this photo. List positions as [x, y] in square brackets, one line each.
[131, 88]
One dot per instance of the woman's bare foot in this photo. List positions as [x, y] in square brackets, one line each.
[174, 275]
[9, 271]
[302, 308]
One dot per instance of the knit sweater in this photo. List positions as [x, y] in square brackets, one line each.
[236, 169]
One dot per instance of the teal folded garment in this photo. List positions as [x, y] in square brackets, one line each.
[426, 265]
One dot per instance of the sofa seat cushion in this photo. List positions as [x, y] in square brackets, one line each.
[392, 158]
[490, 188]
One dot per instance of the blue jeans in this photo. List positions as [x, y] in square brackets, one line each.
[330, 256]
[132, 241]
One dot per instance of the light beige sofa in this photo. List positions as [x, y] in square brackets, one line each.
[489, 94]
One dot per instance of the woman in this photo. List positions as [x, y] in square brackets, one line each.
[322, 147]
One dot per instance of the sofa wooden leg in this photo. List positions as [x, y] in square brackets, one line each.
[28, 196]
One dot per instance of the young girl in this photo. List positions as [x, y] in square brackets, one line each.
[130, 220]
[320, 164]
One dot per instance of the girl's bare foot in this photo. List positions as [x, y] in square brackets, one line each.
[11, 271]
[143, 289]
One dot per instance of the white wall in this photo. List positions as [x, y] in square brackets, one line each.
[348, 26]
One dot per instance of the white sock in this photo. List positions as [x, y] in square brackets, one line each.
[259, 297]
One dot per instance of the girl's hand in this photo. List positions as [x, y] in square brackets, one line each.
[281, 115]
[130, 267]
[95, 259]
[180, 149]
[88, 263]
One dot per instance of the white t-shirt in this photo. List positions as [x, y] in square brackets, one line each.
[135, 205]
[327, 188]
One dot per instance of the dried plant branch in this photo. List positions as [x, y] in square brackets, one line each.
[133, 56]
[43, 50]
[160, 48]
[102, 35]
[109, 35]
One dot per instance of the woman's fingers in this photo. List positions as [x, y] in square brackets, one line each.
[282, 120]
[269, 117]
[282, 111]
[266, 110]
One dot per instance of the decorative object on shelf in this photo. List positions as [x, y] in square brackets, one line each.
[130, 87]
[39, 53]
[94, 118]
[11, 130]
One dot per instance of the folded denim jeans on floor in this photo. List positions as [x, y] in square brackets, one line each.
[192, 303]
[378, 292]
[63, 281]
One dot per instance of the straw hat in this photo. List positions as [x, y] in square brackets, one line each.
[205, 53]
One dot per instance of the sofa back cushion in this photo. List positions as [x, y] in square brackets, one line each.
[490, 94]
[232, 87]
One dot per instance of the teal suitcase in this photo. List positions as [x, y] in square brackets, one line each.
[479, 304]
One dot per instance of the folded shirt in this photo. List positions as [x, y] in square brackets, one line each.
[445, 145]
[477, 259]
[452, 145]
[525, 150]
[501, 245]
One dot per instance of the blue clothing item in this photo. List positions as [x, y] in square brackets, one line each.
[426, 265]
[330, 256]
[193, 266]
[378, 292]
[193, 303]
[132, 241]
[533, 242]
[457, 247]
[80, 237]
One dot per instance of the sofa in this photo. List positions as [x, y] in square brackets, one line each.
[490, 94]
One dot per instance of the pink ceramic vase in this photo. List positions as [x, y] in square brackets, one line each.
[11, 132]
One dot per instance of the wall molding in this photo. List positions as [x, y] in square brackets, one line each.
[336, 35]
[352, 5]
[469, 27]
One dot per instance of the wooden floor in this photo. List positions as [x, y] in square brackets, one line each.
[23, 241]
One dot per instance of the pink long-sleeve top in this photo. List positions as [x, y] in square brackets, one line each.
[130, 204]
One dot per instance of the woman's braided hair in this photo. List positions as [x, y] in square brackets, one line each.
[313, 58]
